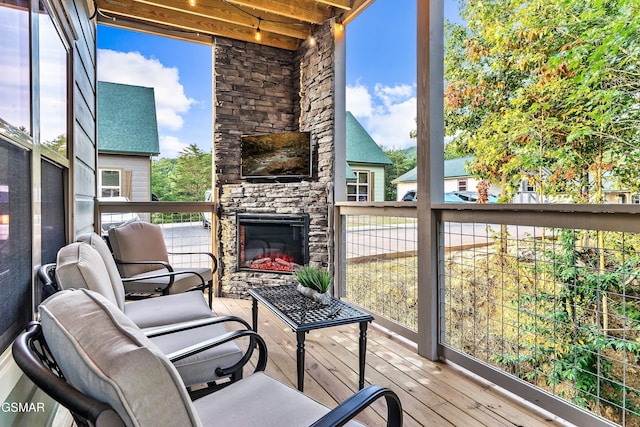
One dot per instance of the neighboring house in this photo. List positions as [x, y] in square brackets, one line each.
[127, 140]
[456, 179]
[365, 164]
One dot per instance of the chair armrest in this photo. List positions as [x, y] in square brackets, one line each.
[171, 274]
[255, 339]
[32, 355]
[209, 254]
[192, 324]
[152, 262]
[351, 407]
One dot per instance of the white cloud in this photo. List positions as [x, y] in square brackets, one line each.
[135, 69]
[359, 100]
[171, 146]
[388, 114]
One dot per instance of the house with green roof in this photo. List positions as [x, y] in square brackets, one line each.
[365, 164]
[456, 179]
[127, 140]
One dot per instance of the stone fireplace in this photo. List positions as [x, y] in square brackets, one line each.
[272, 243]
[260, 90]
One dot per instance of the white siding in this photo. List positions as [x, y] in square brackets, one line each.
[140, 167]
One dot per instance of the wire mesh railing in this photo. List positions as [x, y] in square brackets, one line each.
[556, 307]
[186, 226]
[380, 264]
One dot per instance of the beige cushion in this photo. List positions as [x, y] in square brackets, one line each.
[101, 247]
[78, 265]
[259, 400]
[138, 241]
[103, 354]
[168, 310]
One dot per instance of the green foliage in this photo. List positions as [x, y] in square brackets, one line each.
[564, 342]
[546, 87]
[402, 162]
[314, 278]
[183, 179]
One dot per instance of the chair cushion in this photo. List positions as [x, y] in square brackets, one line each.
[259, 400]
[78, 265]
[138, 241]
[103, 354]
[167, 310]
[199, 368]
[101, 247]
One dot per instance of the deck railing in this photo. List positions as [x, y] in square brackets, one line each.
[186, 226]
[542, 300]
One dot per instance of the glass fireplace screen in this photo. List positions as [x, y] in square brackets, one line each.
[272, 243]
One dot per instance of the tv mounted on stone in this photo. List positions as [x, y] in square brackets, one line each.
[276, 155]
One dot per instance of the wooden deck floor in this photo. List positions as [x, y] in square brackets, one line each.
[432, 393]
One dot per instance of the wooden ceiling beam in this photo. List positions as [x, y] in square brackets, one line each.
[177, 20]
[222, 11]
[341, 4]
[305, 10]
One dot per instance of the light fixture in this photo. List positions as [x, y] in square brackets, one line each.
[258, 35]
[192, 3]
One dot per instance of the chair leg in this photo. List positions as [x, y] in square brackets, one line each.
[211, 294]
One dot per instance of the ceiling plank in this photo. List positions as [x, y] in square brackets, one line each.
[304, 10]
[222, 11]
[342, 4]
[174, 19]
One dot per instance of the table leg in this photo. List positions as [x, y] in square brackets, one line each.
[362, 347]
[254, 314]
[300, 359]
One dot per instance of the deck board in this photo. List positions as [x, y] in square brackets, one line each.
[432, 393]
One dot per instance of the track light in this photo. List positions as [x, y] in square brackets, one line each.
[192, 3]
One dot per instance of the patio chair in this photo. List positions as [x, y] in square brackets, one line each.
[140, 251]
[149, 312]
[172, 322]
[130, 382]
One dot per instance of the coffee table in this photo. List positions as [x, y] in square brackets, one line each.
[302, 315]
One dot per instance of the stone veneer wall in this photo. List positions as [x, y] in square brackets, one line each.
[259, 89]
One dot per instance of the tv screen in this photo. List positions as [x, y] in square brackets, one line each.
[276, 155]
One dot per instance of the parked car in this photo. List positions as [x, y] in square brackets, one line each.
[410, 196]
[471, 197]
[206, 216]
[110, 220]
[452, 198]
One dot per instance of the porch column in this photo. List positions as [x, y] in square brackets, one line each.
[430, 180]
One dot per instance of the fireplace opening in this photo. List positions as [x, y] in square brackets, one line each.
[272, 243]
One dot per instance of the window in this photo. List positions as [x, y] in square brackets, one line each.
[53, 85]
[528, 187]
[32, 111]
[462, 185]
[110, 183]
[14, 63]
[15, 241]
[358, 190]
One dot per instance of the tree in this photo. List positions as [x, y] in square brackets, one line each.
[183, 179]
[192, 173]
[536, 86]
[163, 179]
[401, 162]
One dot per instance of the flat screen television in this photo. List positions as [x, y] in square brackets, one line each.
[276, 155]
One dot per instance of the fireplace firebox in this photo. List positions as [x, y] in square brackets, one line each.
[272, 243]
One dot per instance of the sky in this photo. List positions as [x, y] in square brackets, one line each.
[381, 76]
